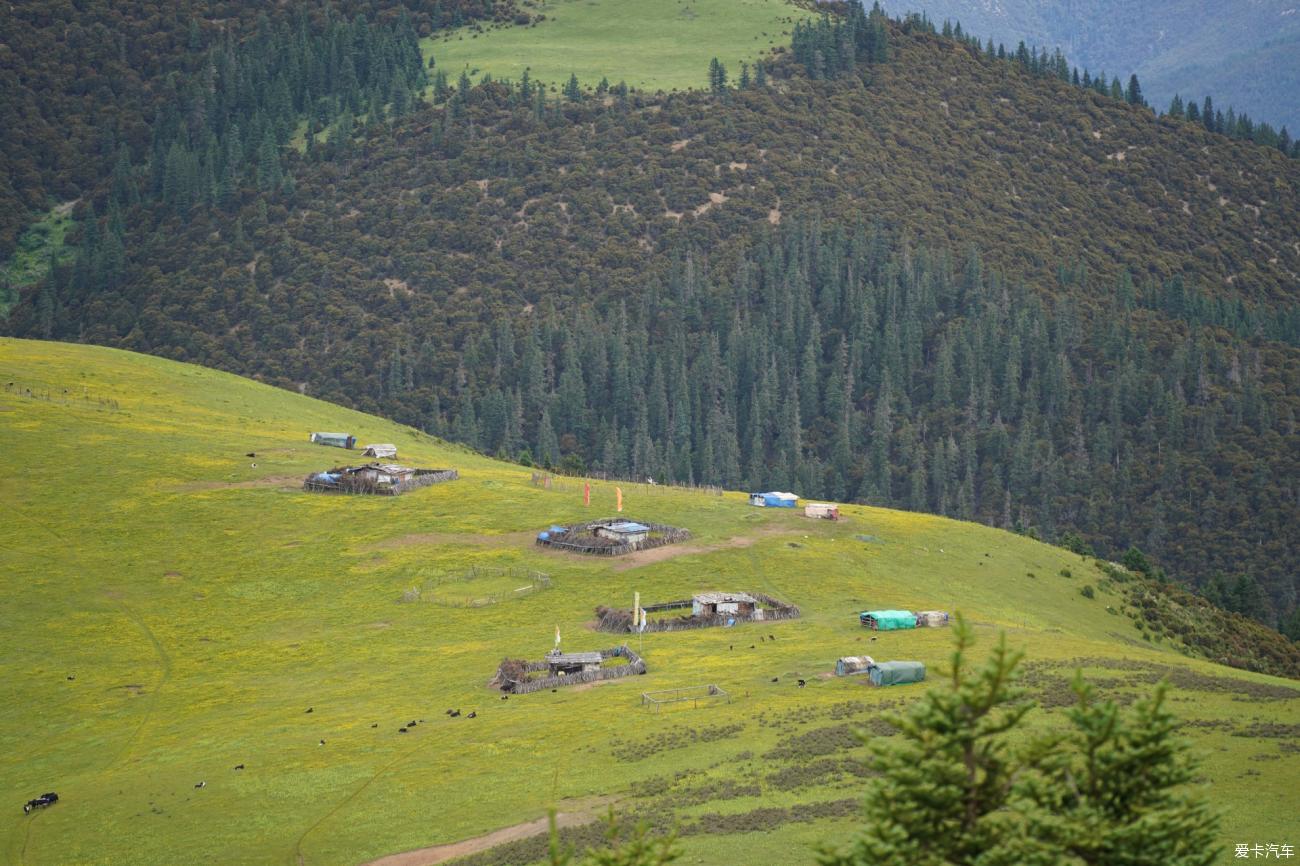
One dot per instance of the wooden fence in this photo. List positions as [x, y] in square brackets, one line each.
[536, 581]
[580, 539]
[657, 700]
[620, 621]
[362, 486]
[425, 478]
[78, 394]
[635, 667]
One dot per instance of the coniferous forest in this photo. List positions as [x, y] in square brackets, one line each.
[890, 265]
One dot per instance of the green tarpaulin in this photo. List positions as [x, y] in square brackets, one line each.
[897, 673]
[886, 620]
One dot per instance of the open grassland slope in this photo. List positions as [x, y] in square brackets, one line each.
[172, 608]
[654, 45]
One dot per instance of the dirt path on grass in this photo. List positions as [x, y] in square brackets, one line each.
[672, 551]
[580, 812]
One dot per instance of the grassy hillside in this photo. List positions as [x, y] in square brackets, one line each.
[203, 603]
[654, 45]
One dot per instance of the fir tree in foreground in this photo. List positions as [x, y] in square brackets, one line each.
[961, 784]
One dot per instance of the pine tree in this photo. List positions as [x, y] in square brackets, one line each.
[717, 76]
[1134, 93]
[572, 91]
[946, 778]
[959, 785]
[1110, 791]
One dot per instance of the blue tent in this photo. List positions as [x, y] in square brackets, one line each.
[774, 499]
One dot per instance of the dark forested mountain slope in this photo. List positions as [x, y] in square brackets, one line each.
[935, 282]
[81, 83]
[1244, 54]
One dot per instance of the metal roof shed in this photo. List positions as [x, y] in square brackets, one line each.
[337, 440]
[853, 665]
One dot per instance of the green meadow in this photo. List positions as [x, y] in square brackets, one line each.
[651, 45]
[170, 608]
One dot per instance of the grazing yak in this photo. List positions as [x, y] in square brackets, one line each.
[41, 802]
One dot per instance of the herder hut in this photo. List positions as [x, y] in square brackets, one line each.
[853, 665]
[887, 620]
[336, 440]
[384, 479]
[623, 531]
[572, 663]
[897, 673]
[774, 499]
[714, 603]
[821, 510]
[932, 618]
[383, 452]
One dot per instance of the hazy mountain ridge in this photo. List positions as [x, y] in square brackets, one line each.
[1246, 55]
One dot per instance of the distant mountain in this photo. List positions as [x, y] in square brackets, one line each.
[1244, 54]
[998, 297]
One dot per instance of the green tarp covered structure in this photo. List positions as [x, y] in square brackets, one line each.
[887, 620]
[897, 673]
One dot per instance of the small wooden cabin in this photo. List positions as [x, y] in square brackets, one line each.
[622, 531]
[572, 663]
[849, 665]
[822, 511]
[715, 603]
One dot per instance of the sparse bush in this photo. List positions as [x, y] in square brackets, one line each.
[1087, 592]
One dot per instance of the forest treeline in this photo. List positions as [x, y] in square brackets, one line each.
[82, 81]
[934, 280]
